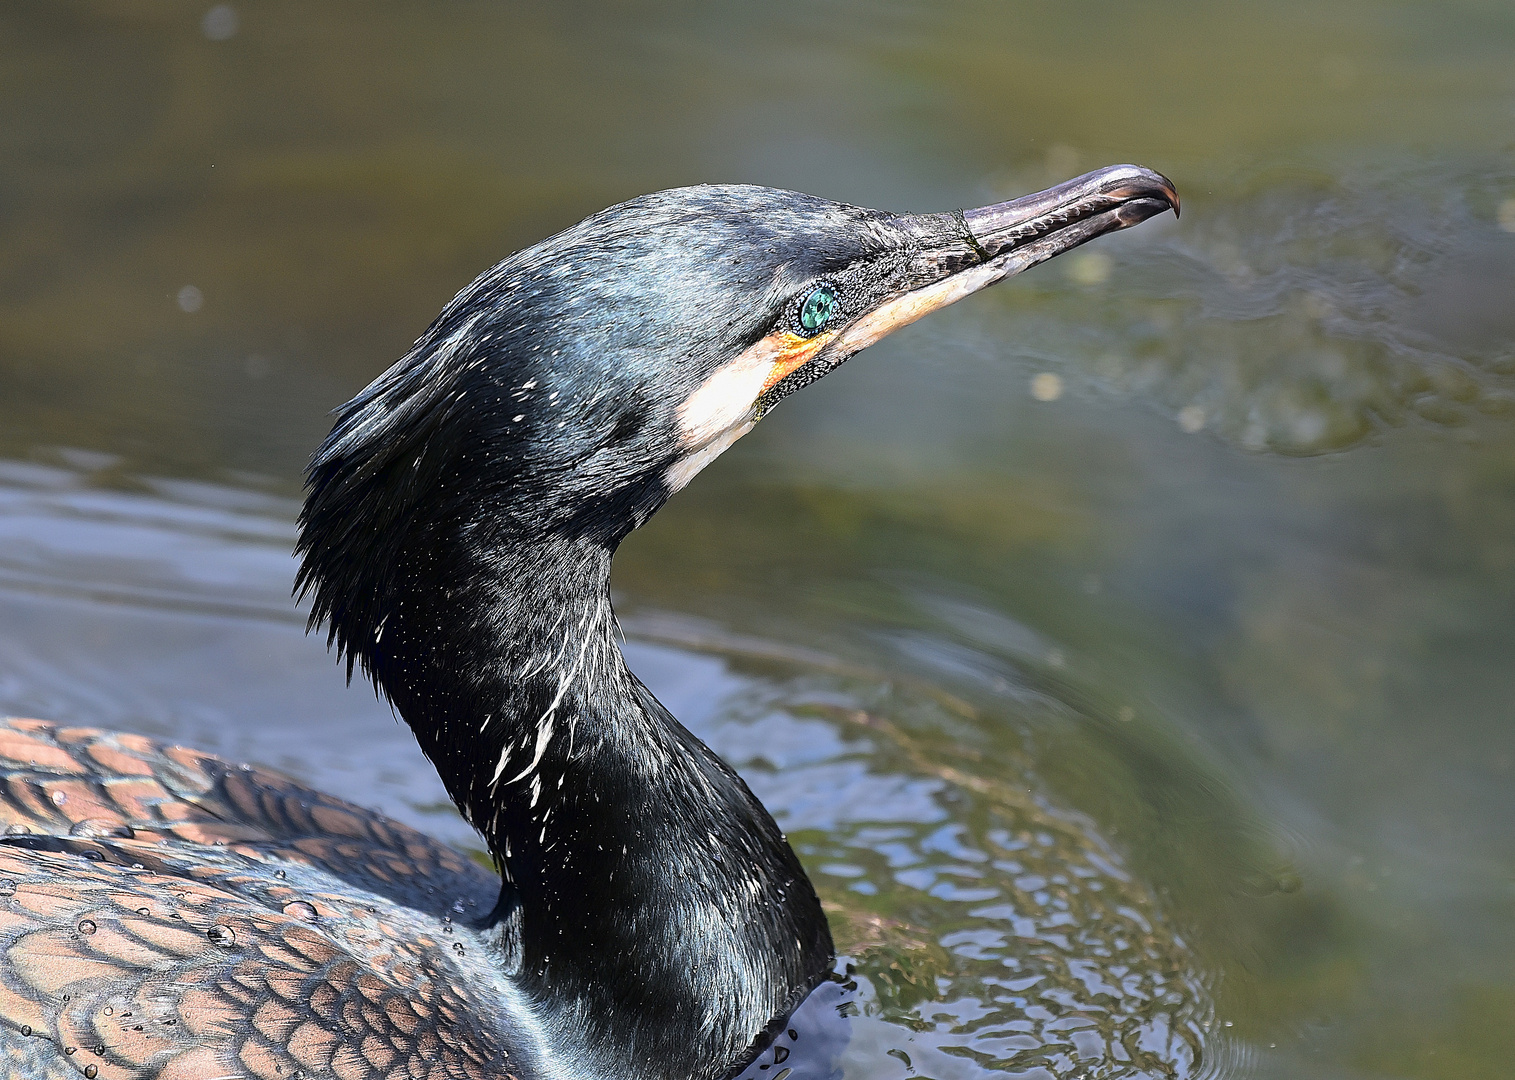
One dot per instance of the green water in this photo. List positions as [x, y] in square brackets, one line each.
[1129, 650]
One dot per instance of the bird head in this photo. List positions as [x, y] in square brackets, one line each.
[572, 388]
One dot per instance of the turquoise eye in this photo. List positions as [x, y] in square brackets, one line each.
[817, 308]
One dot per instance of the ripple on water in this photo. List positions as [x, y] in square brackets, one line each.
[1302, 314]
[990, 930]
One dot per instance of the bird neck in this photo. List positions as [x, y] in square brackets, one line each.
[651, 910]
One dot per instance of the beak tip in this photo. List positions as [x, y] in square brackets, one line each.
[1118, 196]
[1172, 193]
[1153, 179]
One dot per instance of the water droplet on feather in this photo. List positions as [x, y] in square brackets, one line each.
[102, 827]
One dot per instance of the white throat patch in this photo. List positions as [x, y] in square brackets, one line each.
[722, 409]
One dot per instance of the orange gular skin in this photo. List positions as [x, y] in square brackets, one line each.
[790, 353]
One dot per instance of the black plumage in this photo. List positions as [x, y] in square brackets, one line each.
[457, 541]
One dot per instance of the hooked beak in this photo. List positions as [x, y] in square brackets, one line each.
[1074, 211]
[977, 248]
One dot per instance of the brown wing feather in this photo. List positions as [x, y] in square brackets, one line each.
[167, 915]
[84, 782]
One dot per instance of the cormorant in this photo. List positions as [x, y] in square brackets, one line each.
[165, 914]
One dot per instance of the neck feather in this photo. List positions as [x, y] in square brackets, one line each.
[651, 909]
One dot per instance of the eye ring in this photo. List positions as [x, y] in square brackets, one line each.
[816, 310]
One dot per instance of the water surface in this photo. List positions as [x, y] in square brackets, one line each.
[1128, 651]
